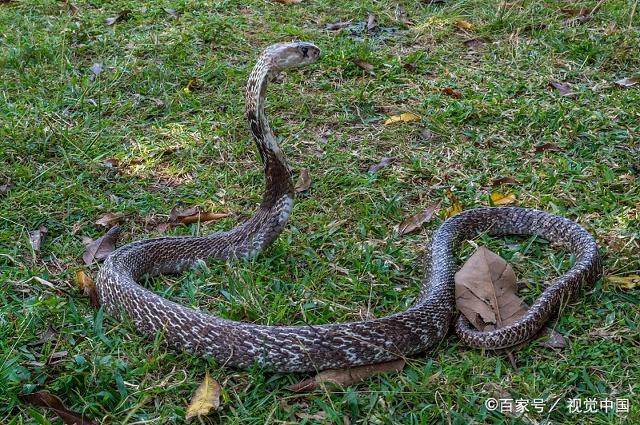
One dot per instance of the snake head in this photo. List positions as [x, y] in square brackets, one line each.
[291, 55]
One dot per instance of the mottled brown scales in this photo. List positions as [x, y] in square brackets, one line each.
[309, 348]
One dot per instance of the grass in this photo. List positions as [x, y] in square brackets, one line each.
[339, 258]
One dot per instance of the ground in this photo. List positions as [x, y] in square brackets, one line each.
[166, 103]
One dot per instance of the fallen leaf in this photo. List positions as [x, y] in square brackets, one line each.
[172, 12]
[563, 88]
[366, 66]
[4, 188]
[304, 181]
[346, 377]
[552, 147]
[454, 208]
[578, 16]
[206, 397]
[503, 180]
[384, 162]
[428, 135]
[372, 22]
[486, 291]
[84, 282]
[47, 400]
[288, 1]
[474, 42]
[57, 357]
[36, 237]
[111, 163]
[100, 248]
[552, 339]
[498, 198]
[463, 25]
[193, 84]
[625, 282]
[119, 17]
[404, 117]
[315, 416]
[193, 215]
[628, 82]
[451, 92]
[109, 219]
[416, 221]
[337, 25]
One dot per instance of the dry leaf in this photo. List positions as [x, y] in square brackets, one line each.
[625, 282]
[474, 42]
[346, 377]
[36, 237]
[193, 215]
[109, 219]
[304, 181]
[372, 22]
[498, 198]
[206, 397]
[486, 291]
[84, 282]
[47, 400]
[416, 221]
[578, 16]
[119, 17]
[4, 188]
[288, 1]
[451, 92]
[563, 88]
[547, 147]
[111, 163]
[454, 208]
[101, 248]
[404, 117]
[315, 416]
[172, 12]
[503, 180]
[365, 66]
[552, 339]
[384, 162]
[628, 82]
[463, 25]
[337, 25]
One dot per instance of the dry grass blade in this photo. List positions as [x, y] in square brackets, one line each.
[346, 377]
[628, 82]
[337, 25]
[49, 401]
[36, 237]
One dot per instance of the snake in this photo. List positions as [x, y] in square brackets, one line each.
[307, 348]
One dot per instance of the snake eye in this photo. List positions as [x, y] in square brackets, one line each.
[305, 51]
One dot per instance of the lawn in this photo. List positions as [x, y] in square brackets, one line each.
[159, 123]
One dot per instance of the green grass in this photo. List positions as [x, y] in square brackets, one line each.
[339, 258]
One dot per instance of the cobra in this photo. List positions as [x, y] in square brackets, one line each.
[334, 345]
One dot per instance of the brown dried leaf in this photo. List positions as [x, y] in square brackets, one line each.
[111, 163]
[503, 180]
[193, 215]
[304, 181]
[337, 25]
[319, 416]
[474, 42]
[365, 66]
[100, 248]
[552, 339]
[109, 219]
[451, 92]
[49, 401]
[346, 377]
[288, 1]
[563, 88]
[403, 117]
[384, 162]
[119, 17]
[206, 397]
[498, 198]
[486, 291]
[463, 25]
[552, 147]
[84, 282]
[416, 221]
[36, 237]
[372, 22]
[628, 82]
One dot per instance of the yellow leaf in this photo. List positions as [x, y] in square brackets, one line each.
[404, 117]
[625, 282]
[498, 198]
[85, 283]
[206, 397]
[464, 25]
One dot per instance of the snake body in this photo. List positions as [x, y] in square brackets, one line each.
[339, 345]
